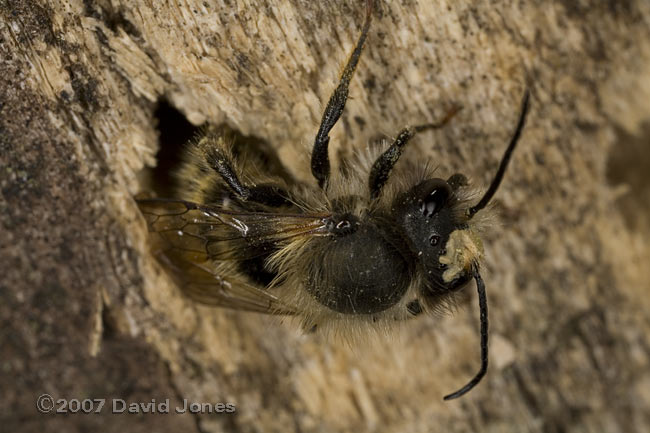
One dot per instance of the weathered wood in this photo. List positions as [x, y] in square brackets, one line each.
[87, 313]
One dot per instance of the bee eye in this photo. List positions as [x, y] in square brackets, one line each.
[434, 201]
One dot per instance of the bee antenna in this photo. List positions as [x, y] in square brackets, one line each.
[482, 302]
[504, 160]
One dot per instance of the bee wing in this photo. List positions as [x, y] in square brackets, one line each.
[199, 243]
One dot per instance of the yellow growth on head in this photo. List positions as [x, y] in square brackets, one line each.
[464, 250]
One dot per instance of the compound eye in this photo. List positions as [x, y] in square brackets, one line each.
[435, 199]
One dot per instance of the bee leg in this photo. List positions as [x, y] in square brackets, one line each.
[320, 163]
[414, 308]
[382, 167]
[269, 195]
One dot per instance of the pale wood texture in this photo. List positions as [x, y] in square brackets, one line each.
[87, 312]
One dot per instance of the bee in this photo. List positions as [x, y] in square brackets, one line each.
[367, 246]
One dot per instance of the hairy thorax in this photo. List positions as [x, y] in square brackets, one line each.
[357, 270]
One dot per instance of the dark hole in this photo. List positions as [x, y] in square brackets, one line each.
[629, 164]
[109, 324]
[174, 131]
[174, 134]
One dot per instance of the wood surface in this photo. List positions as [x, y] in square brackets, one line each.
[87, 312]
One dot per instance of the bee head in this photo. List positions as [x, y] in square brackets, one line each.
[437, 228]
[437, 234]
[436, 223]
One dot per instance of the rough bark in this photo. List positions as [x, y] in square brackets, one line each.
[87, 313]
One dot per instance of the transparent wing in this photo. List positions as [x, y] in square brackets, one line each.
[200, 245]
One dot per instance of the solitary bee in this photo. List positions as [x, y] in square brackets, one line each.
[361, 247]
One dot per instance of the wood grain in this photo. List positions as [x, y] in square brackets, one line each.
[87, 312]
